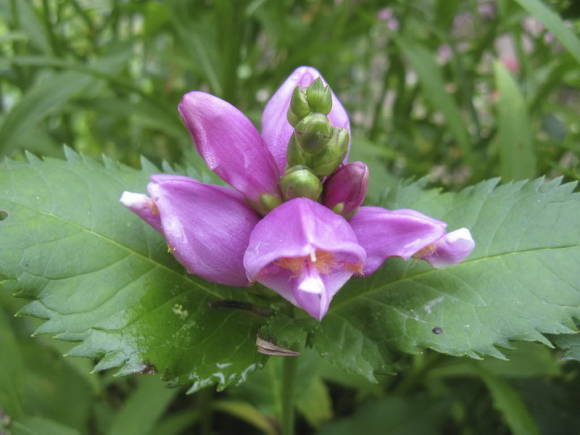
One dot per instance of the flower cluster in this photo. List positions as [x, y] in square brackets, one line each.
[293, 220]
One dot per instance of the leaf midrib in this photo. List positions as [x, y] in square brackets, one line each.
[346, 302]
[115, 243]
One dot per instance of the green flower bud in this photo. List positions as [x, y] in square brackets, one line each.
[298, 182]
[338, 208]
[299, 107]
[313, 133]
[295, 155]
[269, 201]
[319, 97]
[325, 162]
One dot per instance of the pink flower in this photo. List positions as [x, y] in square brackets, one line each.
[301, 249]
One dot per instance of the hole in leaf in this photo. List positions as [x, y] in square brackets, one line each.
[3, 215]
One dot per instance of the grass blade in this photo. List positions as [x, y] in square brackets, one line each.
[514, 138]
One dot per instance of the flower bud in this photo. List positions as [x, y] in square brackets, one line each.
[298, 182]
[319, 97]
[346, 189]
[325, 162]
[269, 202]
[313, 133]
[296, 155]
[299, 107]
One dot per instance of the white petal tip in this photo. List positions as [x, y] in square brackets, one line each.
[132, 200]
[312, 284]
[462, 234]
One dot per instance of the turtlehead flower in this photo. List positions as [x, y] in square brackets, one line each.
[306, 252]
[408, 234]
[292, 219]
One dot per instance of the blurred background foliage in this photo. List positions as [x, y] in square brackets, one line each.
[457, 91]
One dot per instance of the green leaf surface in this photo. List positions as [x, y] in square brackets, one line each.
[571, 345]
[143, 408]
[100, 276]
[520, 282]
[527, 360]
[509, 403]
[514, 137]
[394, 416]
[36, 381]
[12, 370]
[263, 389]
[248, 413]
[40, 426]
[315, 403]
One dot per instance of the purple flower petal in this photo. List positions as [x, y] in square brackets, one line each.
[399, 233]
[347, 186]
[450, 249]
[305, 252]
[142, 206]
[230, 145]
[276, 130]
[207, 227]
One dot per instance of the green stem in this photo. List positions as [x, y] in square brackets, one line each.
[289, 366]
[205, 399]
[49, 28]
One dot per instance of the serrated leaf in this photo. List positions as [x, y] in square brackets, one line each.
[528, 360]
[98, 274]
[570, 343]
[520, 282]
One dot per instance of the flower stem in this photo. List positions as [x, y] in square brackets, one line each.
[289, 365]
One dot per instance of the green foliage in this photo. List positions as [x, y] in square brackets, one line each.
[434, 88]
[509, 403]
[134, 308]
[393, 415]
[143, 408]
[517, 152]
[519, 283]
[99, 275]
[105, 77]
[554, 24]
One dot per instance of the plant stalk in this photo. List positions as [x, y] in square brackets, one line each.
[289, 366]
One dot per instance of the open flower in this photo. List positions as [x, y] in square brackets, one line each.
[270, 227]
[304, 251]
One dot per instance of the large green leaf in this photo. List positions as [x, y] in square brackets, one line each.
[520, 282]
[97, 274]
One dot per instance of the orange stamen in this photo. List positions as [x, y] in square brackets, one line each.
[427, 250]
[323, 261]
